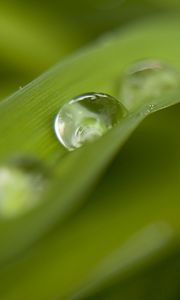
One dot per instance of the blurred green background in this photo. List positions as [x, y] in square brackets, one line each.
[36, 34]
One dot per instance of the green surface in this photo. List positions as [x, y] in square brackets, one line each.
[83, 241]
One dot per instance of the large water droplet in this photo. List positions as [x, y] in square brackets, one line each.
[21, 186]
[147, 80]
[86, 118]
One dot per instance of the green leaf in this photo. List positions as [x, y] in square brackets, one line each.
[26, 129]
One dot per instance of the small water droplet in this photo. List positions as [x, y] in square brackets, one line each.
[86, 118]
[21, 187]
[147, 80]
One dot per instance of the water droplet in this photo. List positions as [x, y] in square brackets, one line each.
[147, 80]
[21, 188]
[86, 118]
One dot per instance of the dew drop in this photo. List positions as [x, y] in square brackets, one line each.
[86, 118]
[21, 188]
[147, 80]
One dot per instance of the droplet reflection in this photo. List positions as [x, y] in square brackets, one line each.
[86, 118]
